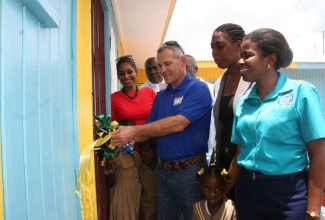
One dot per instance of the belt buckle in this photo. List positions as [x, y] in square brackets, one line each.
[252, 175]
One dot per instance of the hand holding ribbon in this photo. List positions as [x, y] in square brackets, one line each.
[124, 135]
[106, 146]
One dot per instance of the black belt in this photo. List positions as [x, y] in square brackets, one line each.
[253, 175]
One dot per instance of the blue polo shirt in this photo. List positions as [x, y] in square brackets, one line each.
[192, 99]
[273, 132]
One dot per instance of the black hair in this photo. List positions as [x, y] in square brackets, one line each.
[234, 31]
[129, 60]
[126, 122]
[215, 171]
[272, 41]
[149, 59]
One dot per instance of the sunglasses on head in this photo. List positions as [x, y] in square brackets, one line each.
[124, 57]
[173, 43]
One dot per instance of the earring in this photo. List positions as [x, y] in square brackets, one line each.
[268, 66]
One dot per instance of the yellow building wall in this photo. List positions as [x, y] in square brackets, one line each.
[292, 65]
[142, 77]
[84, 104]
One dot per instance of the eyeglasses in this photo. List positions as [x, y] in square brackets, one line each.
[174, 43]
[124, 57]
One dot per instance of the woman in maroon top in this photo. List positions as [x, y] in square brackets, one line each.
[130, 102]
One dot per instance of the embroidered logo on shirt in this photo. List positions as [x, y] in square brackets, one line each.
[286, 99]
[178, 100]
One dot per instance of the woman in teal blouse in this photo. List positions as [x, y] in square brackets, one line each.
[280, 129]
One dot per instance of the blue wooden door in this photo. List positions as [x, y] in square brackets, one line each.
[37, 114]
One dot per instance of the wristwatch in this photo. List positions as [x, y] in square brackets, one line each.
[313, 214]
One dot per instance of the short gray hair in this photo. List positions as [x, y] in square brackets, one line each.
[174, 46]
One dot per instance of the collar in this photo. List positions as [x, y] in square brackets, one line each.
[283, 85]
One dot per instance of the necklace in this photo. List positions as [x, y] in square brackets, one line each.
[131, 97]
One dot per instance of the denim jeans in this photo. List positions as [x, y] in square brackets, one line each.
[177, 191]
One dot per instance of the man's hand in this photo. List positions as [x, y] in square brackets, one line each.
[123, 135]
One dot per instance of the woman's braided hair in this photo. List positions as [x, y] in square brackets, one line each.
[234, 31]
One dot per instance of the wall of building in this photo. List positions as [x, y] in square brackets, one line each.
[38, 125]
[86, 182]
[308, 65]
[86, 179]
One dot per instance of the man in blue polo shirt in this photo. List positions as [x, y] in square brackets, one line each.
[180, 119]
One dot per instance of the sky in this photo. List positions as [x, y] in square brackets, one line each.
[302, 22]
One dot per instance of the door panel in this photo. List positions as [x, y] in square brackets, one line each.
[99, 100]
[38, 142]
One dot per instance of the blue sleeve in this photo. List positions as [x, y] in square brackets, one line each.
[311, 113]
